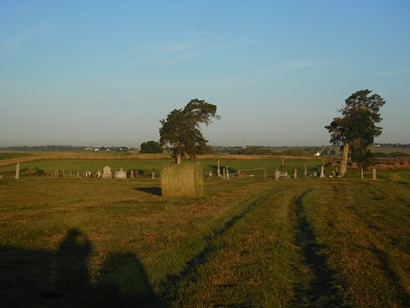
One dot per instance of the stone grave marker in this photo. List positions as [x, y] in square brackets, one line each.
[322, 172]
[107, 173]
[121, 174]
[283, 172]
[277, 175]
[17, 171]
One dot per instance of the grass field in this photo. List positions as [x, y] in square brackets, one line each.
[294, 242]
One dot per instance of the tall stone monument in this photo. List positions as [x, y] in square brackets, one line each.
[17, 171]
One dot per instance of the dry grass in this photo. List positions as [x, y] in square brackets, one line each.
[182, 180]
[303, 242]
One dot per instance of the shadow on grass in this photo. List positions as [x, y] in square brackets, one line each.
[402, 297]
[157, 191]
[61, 278]
[322, 291]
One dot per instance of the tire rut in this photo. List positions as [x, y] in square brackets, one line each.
[322, 291]
[169, 287]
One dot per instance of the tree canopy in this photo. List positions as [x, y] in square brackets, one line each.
[182, 131]
[356, 129]
[151, 147]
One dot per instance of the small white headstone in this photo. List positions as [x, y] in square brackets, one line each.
[322, 172]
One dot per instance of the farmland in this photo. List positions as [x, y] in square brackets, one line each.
[246, 242]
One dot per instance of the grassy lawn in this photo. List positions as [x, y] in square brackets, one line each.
[293, 242]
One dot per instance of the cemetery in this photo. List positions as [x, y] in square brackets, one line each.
[107, 231]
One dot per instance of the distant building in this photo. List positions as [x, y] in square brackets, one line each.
[317, 154]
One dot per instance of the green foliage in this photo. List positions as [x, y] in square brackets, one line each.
[295, 152]
[32, 171]
[181, 129]
[357, 125]
[252, 150]
[151, 147]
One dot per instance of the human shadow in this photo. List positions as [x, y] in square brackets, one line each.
[70, 269]
[61, 278]
[157, 191]
[123, 282]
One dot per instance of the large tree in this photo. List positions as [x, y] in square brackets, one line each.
[151, 147]
[182, 129]
[355, 130]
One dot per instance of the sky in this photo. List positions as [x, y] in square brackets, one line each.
[104, 73]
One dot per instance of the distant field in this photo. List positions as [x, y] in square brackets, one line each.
[11, 155]
[293, 242]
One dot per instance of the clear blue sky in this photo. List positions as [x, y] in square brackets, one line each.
[104, 73]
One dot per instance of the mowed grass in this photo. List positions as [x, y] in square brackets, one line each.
[293, 242]
[252, 166]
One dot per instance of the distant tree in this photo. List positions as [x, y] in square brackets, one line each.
[181, 129]
[355, 130]
[151, 147]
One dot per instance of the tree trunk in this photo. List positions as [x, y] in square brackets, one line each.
[343, 163]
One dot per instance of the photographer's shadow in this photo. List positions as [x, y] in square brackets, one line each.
[61, 278]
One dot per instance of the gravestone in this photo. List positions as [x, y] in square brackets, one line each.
[295, 175]
[153, 173]
[132, 173]
[322, 172]
[283, 172]
[374, 173]
[218, 170]
[277, 175]
[121, 174]
[305, 173]
[107, 173]
[227, 173]
[17, 171]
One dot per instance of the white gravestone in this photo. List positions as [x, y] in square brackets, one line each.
[121, 174]
[322, 172]
[17, 171]
[107, 173]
